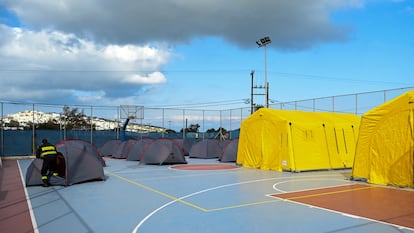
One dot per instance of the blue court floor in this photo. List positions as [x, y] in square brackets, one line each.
[149, 198]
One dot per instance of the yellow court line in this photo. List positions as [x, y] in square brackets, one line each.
[243, 205]
[188, 203]
[157, 192]
[327, 193]
[185, 176]
[227, 207]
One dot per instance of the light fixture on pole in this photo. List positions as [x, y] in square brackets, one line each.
[262, 43]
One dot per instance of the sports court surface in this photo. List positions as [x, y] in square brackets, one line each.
[203, 196]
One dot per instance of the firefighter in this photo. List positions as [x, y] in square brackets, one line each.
[48, 153]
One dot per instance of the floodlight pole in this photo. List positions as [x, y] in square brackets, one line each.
[251, 98]
[265, 74]
[262, 43]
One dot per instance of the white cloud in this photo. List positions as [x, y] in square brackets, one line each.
[152, 78]
[52, 64]
[109, 51]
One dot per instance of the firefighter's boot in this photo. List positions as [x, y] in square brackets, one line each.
[45, 181]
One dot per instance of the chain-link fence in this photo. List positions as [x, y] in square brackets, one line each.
[357, 103]
[20, 132]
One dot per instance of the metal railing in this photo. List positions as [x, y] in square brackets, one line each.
[357, 103]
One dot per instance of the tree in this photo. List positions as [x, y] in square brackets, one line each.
[212, 130]
[221, 133]
[50, 124]
[75, 119]
[13, 123]
[192, 128]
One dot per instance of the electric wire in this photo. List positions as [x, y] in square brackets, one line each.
[280, 74]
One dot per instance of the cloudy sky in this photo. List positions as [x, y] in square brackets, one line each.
[186, 53]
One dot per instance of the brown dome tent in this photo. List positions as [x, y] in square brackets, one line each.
[78, 161]
[163, 151]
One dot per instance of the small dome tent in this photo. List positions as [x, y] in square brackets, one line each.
[134, 153]
[109, 148]
[185, 144]
[206, 149]
[272, 139]
[385, 149]
[123, 148]
[163, 151]
[224, 143]
[229, 152]
[78, 161]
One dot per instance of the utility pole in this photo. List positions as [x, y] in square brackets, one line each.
[253, 93]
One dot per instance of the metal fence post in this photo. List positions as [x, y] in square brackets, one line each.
[91, 124]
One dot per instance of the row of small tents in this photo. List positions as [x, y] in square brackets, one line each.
[79, 161]
[170, 151]
[379, 146]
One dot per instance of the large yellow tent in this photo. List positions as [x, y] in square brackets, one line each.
[297, 141]
[384, 152]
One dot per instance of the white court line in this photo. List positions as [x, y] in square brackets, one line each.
[29, 204]
[345, 214]
[307, 179]
[207, 190]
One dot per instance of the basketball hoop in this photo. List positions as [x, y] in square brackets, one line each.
[131, 112]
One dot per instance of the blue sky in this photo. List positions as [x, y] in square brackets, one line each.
[199, 54]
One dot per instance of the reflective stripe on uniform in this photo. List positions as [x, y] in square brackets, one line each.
[48, 150]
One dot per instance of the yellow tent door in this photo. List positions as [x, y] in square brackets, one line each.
[309, 151]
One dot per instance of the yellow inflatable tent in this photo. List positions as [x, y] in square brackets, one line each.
[297, 141]
[384, 152]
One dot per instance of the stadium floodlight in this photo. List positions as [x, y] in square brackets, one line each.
[262, 43]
